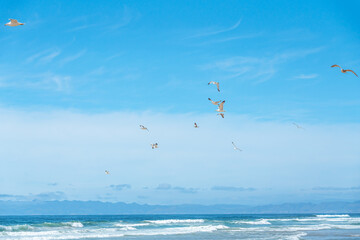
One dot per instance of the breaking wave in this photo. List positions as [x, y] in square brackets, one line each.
[332, 215]
[284, 227]
[256, 222]
[176, 221]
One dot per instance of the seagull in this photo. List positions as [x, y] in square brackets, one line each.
[235, 147]
[221, 107]
[154, 145]
[107, 172]
[13, 23]
[195, 125]
[298, 126]
[345, 70]
[142, 127]
[215, 103]
[221, 114]
[216, 83]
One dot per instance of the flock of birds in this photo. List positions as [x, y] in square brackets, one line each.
[219, 104]
[220, 109]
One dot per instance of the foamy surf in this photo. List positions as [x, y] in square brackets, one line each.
[180, 230]
[332, 215]
[254, 222]
[131, 224]
[216, 227]
[176, 221]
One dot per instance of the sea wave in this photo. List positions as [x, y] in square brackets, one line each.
[176, 221]
[179, 230]
[332, 215]
[317, 219]
[127, 228]
[16, 228]
[102, 233]
[131, 224]
[296, 228]
[255, 222]
[297, 236]
[61, 224]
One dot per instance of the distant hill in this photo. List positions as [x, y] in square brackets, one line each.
[98, 208]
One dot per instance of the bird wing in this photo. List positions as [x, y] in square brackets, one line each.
[217, 85]
[348, 70]
[211, 101]
[336, 66]
[13, 21]
[221, 105]
[236, 146]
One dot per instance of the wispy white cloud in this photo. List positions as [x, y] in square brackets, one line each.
[258, 68]
[249, 67]
[167, 187]
[50, 57]
[47, 81]
[211, 32]
[126, 17]
[233, 38]
[232, 189]
[307, 76]
[83, 27]
[43, 56]
[120, 187]
[336, 188]
[45, 196]
[72, 57]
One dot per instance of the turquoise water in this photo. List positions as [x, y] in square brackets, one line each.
[291, 227]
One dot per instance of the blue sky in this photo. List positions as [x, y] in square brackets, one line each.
[78, 78]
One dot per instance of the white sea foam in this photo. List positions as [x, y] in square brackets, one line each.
[297, 236]
[127, 228]
[255, 222]
[347, 226]
[176, 221]
[60, 224]
[179, 230]
[75, 224]
[332, 215]
[15, 228]
[317, 219]
[131, 224]
[102, 233]
[296, 228]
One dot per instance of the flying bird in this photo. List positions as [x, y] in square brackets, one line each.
[298, 126]
[221, 114]
[221, 107]
[154, 145]
[235, 147]
[142, 127]
[195, 125]
[345, 70]
[107, 172]
[215, 103]
[13, 23]
[216, 83]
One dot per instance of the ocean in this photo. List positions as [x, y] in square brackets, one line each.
[176, 227]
